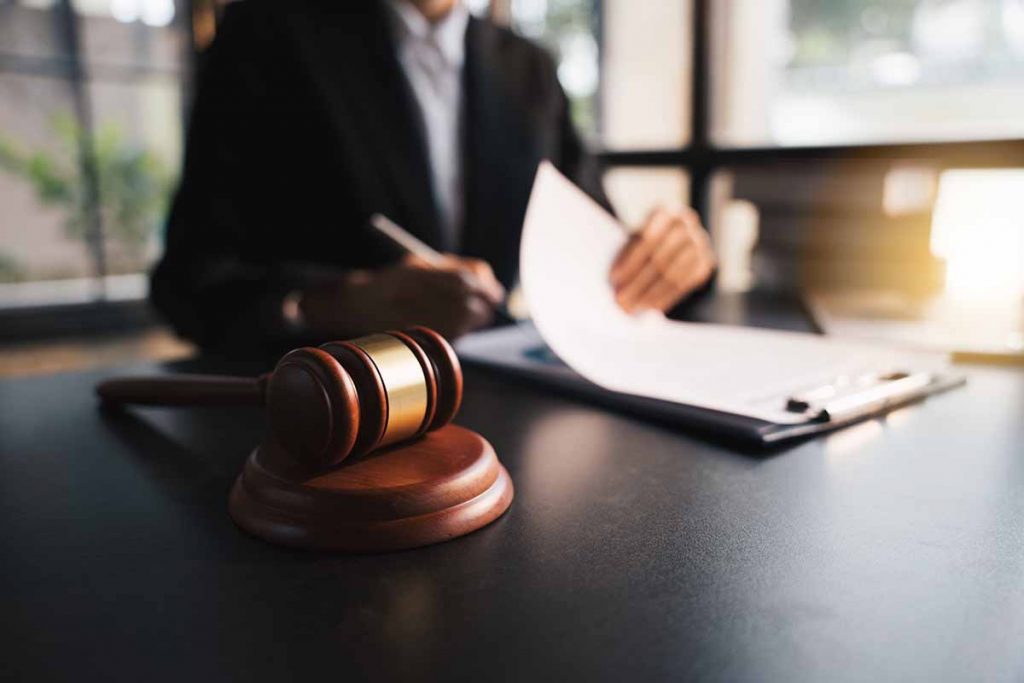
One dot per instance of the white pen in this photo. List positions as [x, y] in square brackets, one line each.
[413, 245]
[400, 236]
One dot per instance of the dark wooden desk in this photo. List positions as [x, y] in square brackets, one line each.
[891, 550]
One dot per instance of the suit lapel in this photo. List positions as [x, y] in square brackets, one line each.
[352, 58]
[499, 155]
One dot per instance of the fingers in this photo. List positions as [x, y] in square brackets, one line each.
[368, 301]
[668, 259]
[450, 301]
[449, 285]
[486, 284]
[633, 293]
[478, 276]
[415, 261]
[632, 259]
[453, 295]
[475, 313]
[668, 290]
[454, 316]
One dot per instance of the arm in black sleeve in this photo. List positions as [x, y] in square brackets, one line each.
[576, 161]
[217, 281]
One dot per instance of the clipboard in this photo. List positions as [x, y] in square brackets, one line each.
[521, 352]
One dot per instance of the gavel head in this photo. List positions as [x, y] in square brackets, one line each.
[348, 398]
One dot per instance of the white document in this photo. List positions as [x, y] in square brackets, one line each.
[569, 243]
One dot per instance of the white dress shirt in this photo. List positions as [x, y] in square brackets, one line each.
[432, 56]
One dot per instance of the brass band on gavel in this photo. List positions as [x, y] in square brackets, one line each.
[404, 384]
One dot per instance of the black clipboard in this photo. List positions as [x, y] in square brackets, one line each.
[521, 352]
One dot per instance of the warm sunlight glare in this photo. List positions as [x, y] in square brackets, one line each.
[978, 227]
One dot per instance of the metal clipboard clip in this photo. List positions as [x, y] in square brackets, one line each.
[843, 400]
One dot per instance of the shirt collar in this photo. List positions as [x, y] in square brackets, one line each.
[448, 34]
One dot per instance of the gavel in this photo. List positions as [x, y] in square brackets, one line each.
[387, 396]
[332, 402]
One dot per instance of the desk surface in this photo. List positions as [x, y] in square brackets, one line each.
[890, 550]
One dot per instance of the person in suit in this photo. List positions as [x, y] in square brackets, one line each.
[311, 115]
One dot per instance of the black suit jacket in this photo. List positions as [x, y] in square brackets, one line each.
[304, 124]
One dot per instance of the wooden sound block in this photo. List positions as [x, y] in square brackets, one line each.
[441, 486]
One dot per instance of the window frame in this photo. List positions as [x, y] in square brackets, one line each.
[103, 314]
[701, 158]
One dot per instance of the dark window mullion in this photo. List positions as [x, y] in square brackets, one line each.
[70, 36]
[966, 154]
[700, 92]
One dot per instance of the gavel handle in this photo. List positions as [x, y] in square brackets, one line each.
[183, 390]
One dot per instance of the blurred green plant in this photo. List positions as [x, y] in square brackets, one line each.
[10, 269]
[562, 20]
[134, 184]
[828, 31]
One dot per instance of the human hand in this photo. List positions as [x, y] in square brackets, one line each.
[477, 270]
[454, 298]
[668, 258]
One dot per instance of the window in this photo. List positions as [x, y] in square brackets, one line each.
[646, 64]
[569, 29]
[595, 45]
[806, 72]
[877, 101]
[635, 190]
[90, 141]
[744, 107]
